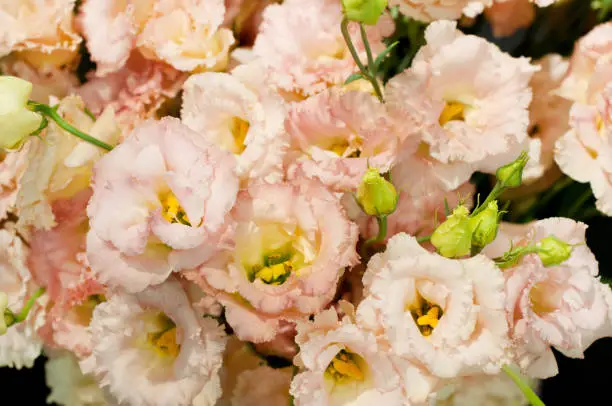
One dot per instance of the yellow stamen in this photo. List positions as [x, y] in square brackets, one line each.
[344, 367]
[453, 111]
[240, 128]
[430, 319]
[274, 274]
[173, 211]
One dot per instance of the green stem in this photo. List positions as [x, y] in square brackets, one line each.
[351, 47]
[382, 232]
[424, 238]
[52, 114]
[497, 190]
[371, 64]
[575, 208]
[526, 389]
[23, 314]
[364, 71]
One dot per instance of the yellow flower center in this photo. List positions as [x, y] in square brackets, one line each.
[426, 315]
[173, 211]
[346, 367]
[163, 341]
[239, 128]
[453, 111]
[541, 300]
[274, 251]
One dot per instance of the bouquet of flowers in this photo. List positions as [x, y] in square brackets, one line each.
[300, 202]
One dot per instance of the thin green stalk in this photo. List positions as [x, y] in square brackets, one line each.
[497, 190]
[52, 114]
[424, 238]
[351, 47]
[382, 232]
[371, 64]
[575, 208]
[526, 389]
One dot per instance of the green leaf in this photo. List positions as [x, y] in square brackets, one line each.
[353, 77]
[384, 54]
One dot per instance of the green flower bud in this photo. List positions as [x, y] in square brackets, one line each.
[16, 121]
[453, 238]
[484, 226]
[376, 195]
[364, 11]
[511, 175]
[552, 251]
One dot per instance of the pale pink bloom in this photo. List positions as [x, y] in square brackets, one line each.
[20, 345]
[467, 101]
[12, 166]
[592, 55]
[301, 44]
[563, 306]
[484, 390]
[370, 377]
[584, 153]
[42, 28]
[60, 164]
[548, 113]
[48, 80]
[429, 10]
[336, 135]
[68, 385]
[507, 17]
[175, 190]
[152, 348]
[445, 314]
[182, 33]
[243, 119]
[292, 243]
[135, 92]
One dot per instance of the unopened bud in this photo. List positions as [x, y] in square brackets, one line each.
[552, 251]
[484, 226]
[511, 175]
[364, 11]
[376, 195]
[16, 121]
[453, 238]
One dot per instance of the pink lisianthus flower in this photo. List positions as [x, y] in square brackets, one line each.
[467, 120]
[508, 16]
[152, 348]
[135, 92]
[590, 59]
[584, 153]
[12, 166]
[241, 118]
[344, 364]
[43, 31]
[57, 261]
[445, 314]
[302, 47]
[430, 10]
[20, 345]
[336, 135]
[292, 243]
[186, 34]
[60, 164]
[175, 190]
[564, 307]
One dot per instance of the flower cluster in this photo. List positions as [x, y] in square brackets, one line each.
[234, 207]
